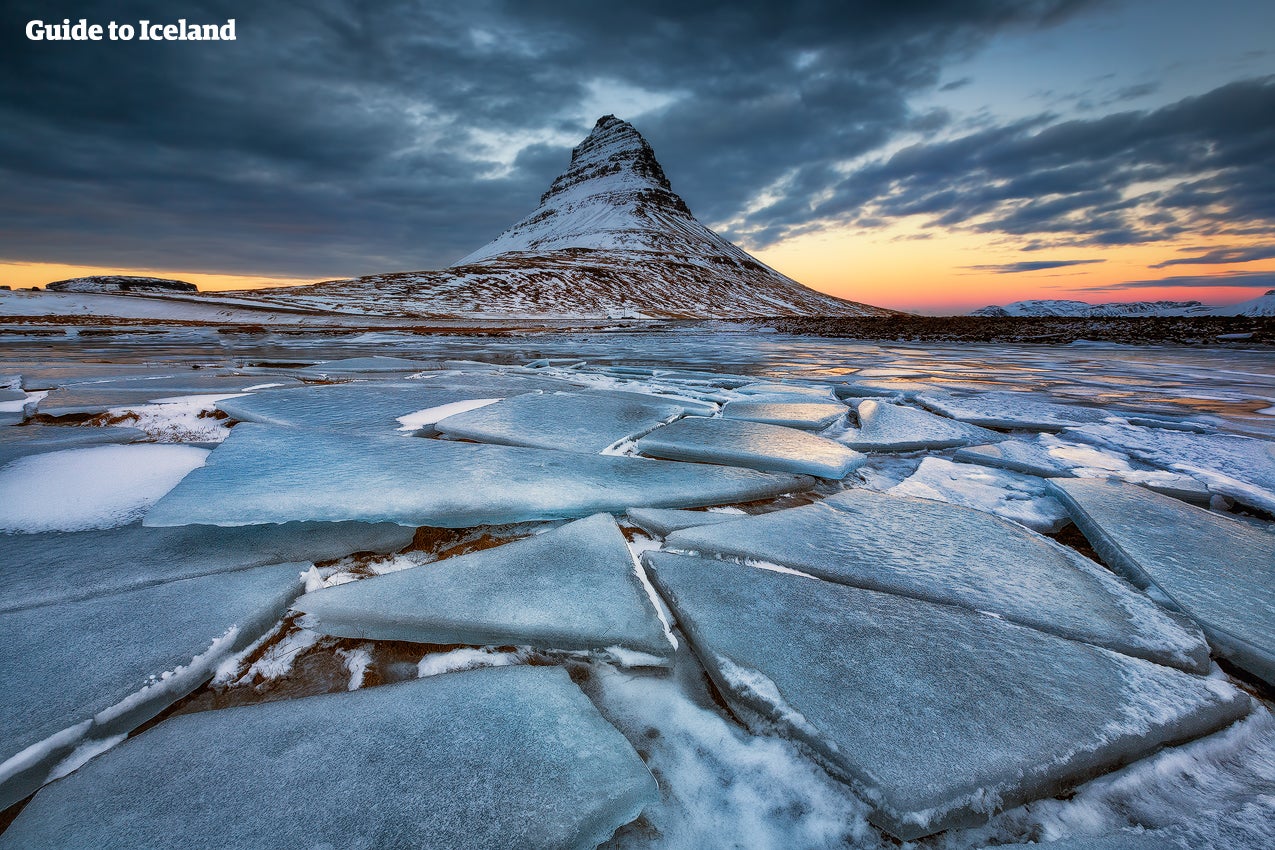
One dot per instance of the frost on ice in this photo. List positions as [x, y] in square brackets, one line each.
[1218, 570]
[737, 442]
[936, 715]
[263, 474]
[572, 588]
[953, 555]
[105, 664]
[99, 487]
[403, 765]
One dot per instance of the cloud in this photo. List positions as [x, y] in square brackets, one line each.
[1246, 280]
[1031, 266]
[1200, 166]
[1220, 256]
[336, 137]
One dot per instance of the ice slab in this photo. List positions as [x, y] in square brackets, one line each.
[36, 439]
[936, 715]
[819, 394]
[97, 487]
[509, 757]
[1218, 570]
[98, 397]
[573, 588]
[1240, 467]
[1010, 495]
[811, 416]
[496, 384]
[100, 667]
[374, 364]
[886, 427]
[738, 442]
[37, 569]
[957, 556]
[662, 521]
[575, 422]
[360, 408]
[1012, 410]
[263, 474]
[1015, 456]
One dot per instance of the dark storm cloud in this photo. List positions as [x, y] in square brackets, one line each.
[1221, 256]
[1031, 266]
[1204, 165]
[339, 137]
[1247, 280]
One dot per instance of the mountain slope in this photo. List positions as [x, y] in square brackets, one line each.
[609, 238]
[1083, 309]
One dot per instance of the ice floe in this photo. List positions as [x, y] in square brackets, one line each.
[36, 439]
[509, 757]
[1240, 467]
[1012, 410]
[811, 416]
[957, 556]
[572, 588]
[264, 474]
[98, 397]
[575, 422]
[887, 427]
[97, 667]
[97, 487]
[1218, 570]
[1012, 495]
[737, 442]
[936, 715]
[40, 568]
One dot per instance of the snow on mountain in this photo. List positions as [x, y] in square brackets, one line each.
[120, 283]
[1084, 309]
[1263, 305]
[609, 239]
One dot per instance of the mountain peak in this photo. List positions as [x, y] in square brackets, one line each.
[615, 159]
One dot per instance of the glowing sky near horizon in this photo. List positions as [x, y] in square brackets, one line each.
[933, 160]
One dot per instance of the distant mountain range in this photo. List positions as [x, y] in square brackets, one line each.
[610, 238]
[1263, 305]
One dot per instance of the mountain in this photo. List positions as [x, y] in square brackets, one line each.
[610, 238]
[1262, 305]
[1083, 309]
[120, 283]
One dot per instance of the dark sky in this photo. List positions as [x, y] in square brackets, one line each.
[337, 137]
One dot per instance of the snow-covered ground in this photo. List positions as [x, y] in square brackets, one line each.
[916, 648]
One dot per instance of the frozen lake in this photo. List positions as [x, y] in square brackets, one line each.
[677, 589]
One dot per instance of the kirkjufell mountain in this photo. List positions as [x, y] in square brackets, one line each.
[609, 238]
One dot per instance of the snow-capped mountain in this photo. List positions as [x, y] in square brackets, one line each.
[609, 238]
[1263, 306]
[120, 283]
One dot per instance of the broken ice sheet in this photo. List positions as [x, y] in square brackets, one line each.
[886, 427]
[359, 407]
[936, 715]
[1012, 410]
[58, 566]
[98, 487]
[101, 666]
[1029, 458]
[575, 422]
[505, 757]
[572, 588]
[957, 556]
[263, 474]
[374, 364]
[755, 445]
[1240, 467]
[98, 397]
[810, 416]
[1011, 495]
[1218, 570]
